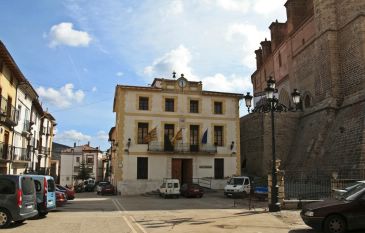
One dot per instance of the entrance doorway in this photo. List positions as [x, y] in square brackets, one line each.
[182, 169]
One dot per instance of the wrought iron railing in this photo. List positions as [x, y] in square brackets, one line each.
[181, 148]
[26, 126]
[21, 154]
[8, 113]
[5, 151]
[44, 150]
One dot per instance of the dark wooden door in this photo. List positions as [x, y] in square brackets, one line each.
[176, 169]
[218, 168]
[194, 137]
[168, 136]
[187, 171]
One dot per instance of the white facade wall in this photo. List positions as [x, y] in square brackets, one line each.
[160, 164]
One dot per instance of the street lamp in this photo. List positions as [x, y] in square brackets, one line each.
[272, 105]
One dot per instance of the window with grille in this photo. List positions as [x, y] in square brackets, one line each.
[218, 108]
[194, 106]
[142, 168]
[142, 133]
[169, 105]
[218, 135]
[143, 103]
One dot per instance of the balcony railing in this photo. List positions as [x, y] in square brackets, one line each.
[8, 113]
[26, 126]
[44, 150]
[46, 131]
[182, 148]
[20, 154]
[5, 151]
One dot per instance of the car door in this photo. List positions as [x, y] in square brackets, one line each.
[356, 213]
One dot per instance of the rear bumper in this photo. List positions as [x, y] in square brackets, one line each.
[23, 216]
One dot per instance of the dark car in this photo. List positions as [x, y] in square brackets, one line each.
[337, 215]
[100, 185]
[191, 190]
[70, 194]
[107, 189]
[17, 199]
[61, 198]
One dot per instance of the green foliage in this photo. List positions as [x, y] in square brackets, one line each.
[84, 172]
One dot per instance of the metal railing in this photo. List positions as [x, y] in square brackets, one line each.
[182, 148]
[44, 150]
[5, 151]
[8, 113]
[203, 182]
[21, 154]
[26, 126]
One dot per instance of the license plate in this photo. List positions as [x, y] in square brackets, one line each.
[29, 206]
[196, 190]
[107, 189]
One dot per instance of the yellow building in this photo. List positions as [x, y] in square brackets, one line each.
[174, 129]
[10, 78]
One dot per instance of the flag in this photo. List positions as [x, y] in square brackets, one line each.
[205, 137]
[178, 136]
[151, 136]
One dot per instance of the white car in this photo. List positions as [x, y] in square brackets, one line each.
[340, 192]
[170, 188]
[238, 186]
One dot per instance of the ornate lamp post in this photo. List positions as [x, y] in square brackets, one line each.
[272, 105]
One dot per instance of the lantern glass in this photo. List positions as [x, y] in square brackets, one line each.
[295, 96]
[269, 92]
[248, 99]
[271, 82]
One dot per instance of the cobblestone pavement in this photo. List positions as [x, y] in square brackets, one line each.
[90, 213]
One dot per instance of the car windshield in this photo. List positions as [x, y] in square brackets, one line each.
[236, 181]
[354, 193]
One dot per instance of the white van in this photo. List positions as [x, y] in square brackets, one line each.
[170, 188]
[238, 186]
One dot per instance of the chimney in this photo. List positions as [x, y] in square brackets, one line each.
[278, 33]
[88, 143]
[74, 144]
[258, 53]
[297, 11]
[266, 49]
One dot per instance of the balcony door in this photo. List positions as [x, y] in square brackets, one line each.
[168, 136]
[194, 137]
[6, 145]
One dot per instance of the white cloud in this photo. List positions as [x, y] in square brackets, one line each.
[177, 60]
[94, 89]
[175, 7]
[61, 98]
[234, 5]
[119, 74]
[64, 34]
[72, 136]
[268, 7]
[102, 135]
[233, 83]
[250, 36]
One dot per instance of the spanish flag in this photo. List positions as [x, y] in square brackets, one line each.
[178, 136]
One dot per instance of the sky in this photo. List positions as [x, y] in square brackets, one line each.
[74, 52]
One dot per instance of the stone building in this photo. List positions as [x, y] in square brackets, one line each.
[173, 129]
[319, 50]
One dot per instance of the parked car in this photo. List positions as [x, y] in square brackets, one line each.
[89, 185]
[70, 194]
[337, 215]
[107, 189]
[238, 186]
[341, 192]
[100, 185]
[191, 190]
[17, 199]
[61, 198]
[170, 188]
[45, 190]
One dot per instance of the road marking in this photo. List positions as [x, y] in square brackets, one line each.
[116, 204]
[131, 217]
[129, 224]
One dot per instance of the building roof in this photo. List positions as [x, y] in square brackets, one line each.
[9, 61]
[82, 148]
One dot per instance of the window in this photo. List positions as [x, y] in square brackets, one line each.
[142, 168]
[51, 185]
[279, 60]
[27, 186]
[194, 106]
[169, 105]
[168, 136]
[77, 159]
[142, 133]
[194, 137]
[90, 160]
[7, 186]
[143, 103]
[218, 108]
[218, 135]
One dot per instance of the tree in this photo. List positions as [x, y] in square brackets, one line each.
[84, 172]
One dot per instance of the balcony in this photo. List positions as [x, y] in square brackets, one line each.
[159, 147]
[27, 128]
[5, 151]
[44, 150]
[21, 154]
[9, 115]
[46, 131]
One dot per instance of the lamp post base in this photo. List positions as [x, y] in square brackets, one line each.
[274, 207]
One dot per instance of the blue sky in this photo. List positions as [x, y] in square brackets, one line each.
[75, 52]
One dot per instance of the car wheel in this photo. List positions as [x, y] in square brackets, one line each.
[335, 224]
[5, 218]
